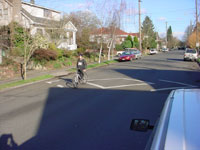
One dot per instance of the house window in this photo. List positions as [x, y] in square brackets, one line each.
[1, 13]
[5, 12]
[1, 10]
[47, 13]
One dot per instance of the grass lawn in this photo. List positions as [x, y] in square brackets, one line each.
[21, 82]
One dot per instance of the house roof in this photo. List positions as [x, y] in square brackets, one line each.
[34, 5]
[109, 31]
[41, 21]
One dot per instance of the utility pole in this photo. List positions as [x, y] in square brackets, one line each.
[140, 41]
[197, 36]
[166, 35]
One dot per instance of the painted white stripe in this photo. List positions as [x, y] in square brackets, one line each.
[61, 86]
[120, 86]
[170, 88]
[177, 83]
[52, 81]
[105, 79]
[99, 86]
[114, 79]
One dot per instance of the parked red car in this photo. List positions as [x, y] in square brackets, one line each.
[127, 56]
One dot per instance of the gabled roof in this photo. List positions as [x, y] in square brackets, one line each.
[34, 5]
[109, 31]
[41, 21]
[70, 26]
[10, 2]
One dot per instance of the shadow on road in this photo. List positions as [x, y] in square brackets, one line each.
[175, 59]
[7, 142]
[98, 119]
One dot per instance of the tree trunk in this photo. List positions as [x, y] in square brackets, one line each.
[100, 52]
[22, 70]
[110, 49]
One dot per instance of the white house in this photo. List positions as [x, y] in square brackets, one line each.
[38, 19]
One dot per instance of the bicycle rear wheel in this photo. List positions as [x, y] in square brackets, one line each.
[75, 81]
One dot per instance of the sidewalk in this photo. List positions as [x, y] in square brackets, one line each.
[36, 73]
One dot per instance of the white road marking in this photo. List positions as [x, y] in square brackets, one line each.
[61, 86]
[114, 79]
[171, 88]
[177, 83]
[52, 81]
[120, 86]
[99, 86]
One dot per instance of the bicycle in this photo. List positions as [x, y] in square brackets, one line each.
[78, 80]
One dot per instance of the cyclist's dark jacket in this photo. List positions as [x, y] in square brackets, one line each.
[81, 64]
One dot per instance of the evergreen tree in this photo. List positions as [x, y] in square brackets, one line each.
[136, 42]
[149, 36]
[169, 37]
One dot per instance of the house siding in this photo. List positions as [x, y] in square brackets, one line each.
[6, 11]
[40, 12]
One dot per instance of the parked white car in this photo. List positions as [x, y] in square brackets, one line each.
[190, 54]
[165, 49]
[179, 124]
[178, 127]
[119, 53]
[136, 52]
[153, 51]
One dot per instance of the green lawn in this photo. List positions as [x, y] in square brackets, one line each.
[21, 82]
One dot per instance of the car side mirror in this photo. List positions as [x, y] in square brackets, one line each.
[140, 125]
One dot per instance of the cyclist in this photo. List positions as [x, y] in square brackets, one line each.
[81, 65]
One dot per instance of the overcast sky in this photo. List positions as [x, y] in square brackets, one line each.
[177, 13]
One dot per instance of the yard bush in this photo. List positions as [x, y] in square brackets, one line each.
[80, 51]
[119, 47]
[67, 53]
[198, 60]
[43, 54]
[57, 65]
[7, 61]
[58, 51]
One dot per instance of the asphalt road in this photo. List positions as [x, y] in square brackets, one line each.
[51, 115]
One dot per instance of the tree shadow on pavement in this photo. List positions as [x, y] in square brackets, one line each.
[99, 119]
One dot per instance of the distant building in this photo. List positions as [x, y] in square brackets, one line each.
[37, 19]
[107, 34]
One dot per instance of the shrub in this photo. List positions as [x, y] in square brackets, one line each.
[57, 65]
[41, 41]
[42, 54]
[7, 61]
[119, 47]
[69, 62]
[198, 60]
[58, 51]
[81, 50]
[67, 53]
